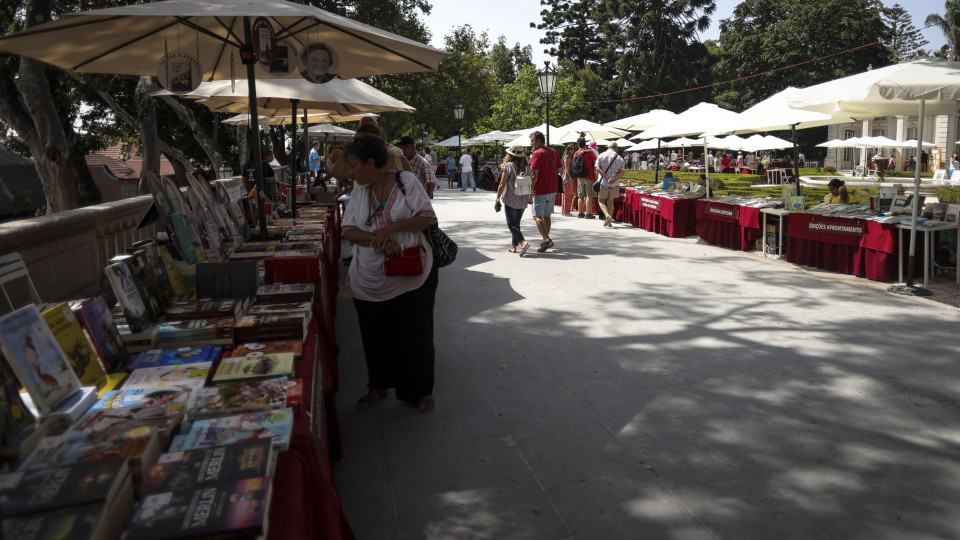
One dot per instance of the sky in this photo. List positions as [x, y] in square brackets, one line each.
[511, 18]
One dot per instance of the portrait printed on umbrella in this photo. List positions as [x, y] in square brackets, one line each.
[318, 63]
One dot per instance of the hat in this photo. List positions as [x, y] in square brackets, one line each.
[406, 140]
[515, 150]
[593, 145]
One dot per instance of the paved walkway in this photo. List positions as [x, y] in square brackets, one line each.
[631, 386]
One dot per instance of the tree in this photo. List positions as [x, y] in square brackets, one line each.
[905, 39]
[514, 106]
[508, 62]
[766, 35]
[949, 24]
[636, 49]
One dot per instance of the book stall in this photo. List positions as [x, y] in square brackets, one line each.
[731, 221]
[201, 403]
[669, 213]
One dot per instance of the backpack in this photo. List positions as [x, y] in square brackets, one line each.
[579, 168]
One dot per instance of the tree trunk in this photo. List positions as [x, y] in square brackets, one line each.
[179, 170]
[149, 138]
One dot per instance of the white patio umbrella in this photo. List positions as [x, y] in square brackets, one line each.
[451, 141]
[766, 142]
[643, 121]
[285, 120]
[923, 86]
[212, 37]
[592, 131]
[542, 128]
[330, 133]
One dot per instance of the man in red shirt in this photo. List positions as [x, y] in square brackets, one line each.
[545, 164]
[585, 183]
[725, 164]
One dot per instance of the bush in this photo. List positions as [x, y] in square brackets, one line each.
[830, 170]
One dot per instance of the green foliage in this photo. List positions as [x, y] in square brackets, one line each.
[949, 24]
[514, 108]
[763, 35]
[905, 38]
[949, 195]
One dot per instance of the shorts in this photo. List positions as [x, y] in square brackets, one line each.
[609, 192]
[543, 204]
[585, 187]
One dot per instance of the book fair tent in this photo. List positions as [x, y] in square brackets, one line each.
[184, 42]
[923, 86]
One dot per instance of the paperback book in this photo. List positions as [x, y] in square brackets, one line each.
[217, 331]
[34, 355]
[203, 309]
[306, 308]
[176, 356]
[191, 469]
[254, 367]
[100, 520]
[285, 292]
[274, 425]
[144, 281]
[231, 399]
[75, 345]
[98, 322]
[236, 509]
[193, 375]
[124, 286]
[105, 421]
[172, 397]
[270, 327]
[140, 444]
[39, 490]
[269, 347]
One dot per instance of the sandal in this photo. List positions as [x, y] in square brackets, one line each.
[426, 404]
[372, 398]
[523, 250]
[512, 249]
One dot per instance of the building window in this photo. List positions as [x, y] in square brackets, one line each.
[848, 152]
[879, 132]
[912, 151]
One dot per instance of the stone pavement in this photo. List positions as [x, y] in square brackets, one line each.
[629, 386]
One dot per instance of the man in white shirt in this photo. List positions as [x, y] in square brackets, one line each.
[466, 171]
[609, 171]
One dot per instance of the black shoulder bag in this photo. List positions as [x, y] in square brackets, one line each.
[444, 249]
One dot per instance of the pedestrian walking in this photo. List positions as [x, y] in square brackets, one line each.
[514, 164]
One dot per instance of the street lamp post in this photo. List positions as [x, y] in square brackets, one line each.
[548, 81]
[458, 114]
[423, 131]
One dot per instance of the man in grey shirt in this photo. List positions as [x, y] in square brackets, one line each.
[609, 171]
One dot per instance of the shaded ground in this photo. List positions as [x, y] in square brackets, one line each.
[627, 385]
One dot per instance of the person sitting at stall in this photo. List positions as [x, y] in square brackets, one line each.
[838, 192]
[668, 179]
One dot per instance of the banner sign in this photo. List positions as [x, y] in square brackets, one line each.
[841, 226]
[722, 212]
[650, 203]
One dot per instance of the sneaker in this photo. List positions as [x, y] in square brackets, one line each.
[547, 245]
[542, 248]
[591, 216]
[580, 215]
[606, 223]
[474, 189]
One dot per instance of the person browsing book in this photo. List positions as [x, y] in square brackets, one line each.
[395, 312]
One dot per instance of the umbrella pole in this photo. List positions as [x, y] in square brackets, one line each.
[796, 163]
[909, 288]
[656, 174]
[706, 167]
[306, 154]
[255, 134]
[293, 151]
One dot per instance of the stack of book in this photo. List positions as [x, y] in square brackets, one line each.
[218, 331]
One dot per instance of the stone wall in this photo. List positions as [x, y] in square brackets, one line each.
[66, 252]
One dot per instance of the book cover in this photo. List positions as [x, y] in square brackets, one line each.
[185, 238]
[173, 397]
[121, 279]
[952, 213]
[274, 425]
[190, 469]
[797, 203]
[217, 331]
[144, 282]
[177, 282]
[284, 307]
[75, 345]
[35, 356]
[175, 356]
[231, 399]
[266, 327]
[85, 447]
[235, 509]
[192, 375]
[69, 410]
[150, 249]
[203, 309]
[270, 347]
[16, 422]
[939, 211]
[39, 490]
[285, 292]
[254, 367]
[105, 421]
[98, 322]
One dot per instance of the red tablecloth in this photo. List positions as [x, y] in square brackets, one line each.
[850, 246]
[670, 217]
[728, 225]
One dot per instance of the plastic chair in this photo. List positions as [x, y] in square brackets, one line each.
[12, 269]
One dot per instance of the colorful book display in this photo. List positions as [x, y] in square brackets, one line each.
[98, 322]
[190, 469]
[176, 356]
[254, 367]
[274, 425]
[75, 345]
[245, 397]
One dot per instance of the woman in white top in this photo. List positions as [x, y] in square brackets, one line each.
[515, 163]
[395, 312]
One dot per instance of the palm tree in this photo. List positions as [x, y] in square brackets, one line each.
[949, 24]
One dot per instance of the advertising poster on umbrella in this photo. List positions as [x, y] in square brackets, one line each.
[264, 41]
[179, 72]
[318, 63]
[286, 59]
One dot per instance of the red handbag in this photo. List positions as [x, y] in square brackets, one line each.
[408, 263]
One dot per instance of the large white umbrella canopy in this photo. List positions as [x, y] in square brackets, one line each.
[495, 136]
[330, 133]
[836, 143]
[923, 86]
[730, 142]
[286, 120]
[132, 40]
[775, 114]
[273, 97]
[542, 128]
[697, 120]
[682, 142]
[649, 144]
[592, 131]
[452, 141]
[643, 121]
[766, 142]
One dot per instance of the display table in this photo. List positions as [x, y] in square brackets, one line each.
[780, 213]
[728, 225]
[925, 250]
[670, 217]
[851, 246]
